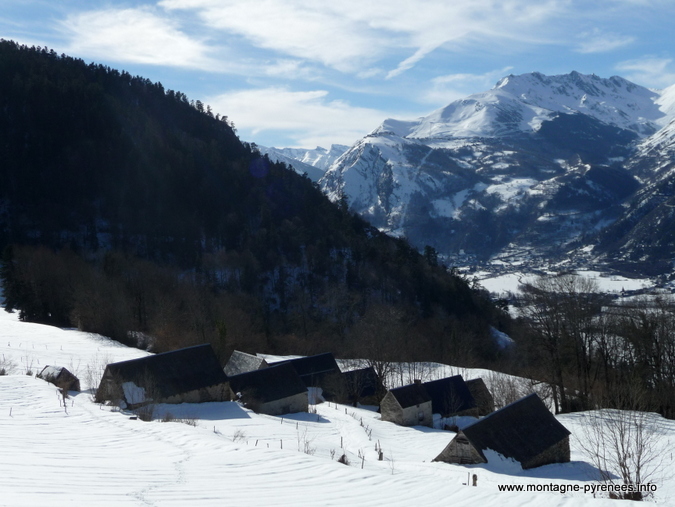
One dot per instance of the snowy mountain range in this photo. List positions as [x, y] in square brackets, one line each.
[313, 162]
[547, 167]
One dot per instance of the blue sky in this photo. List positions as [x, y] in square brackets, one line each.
[314, 72]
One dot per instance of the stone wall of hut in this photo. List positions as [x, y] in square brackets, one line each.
[558, 453]
[460, 451]
[290, 405]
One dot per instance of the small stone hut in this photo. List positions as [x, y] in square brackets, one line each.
[407, 406]
[525, 430]
[276, 390]
[450, 396]
[60, 377]
[189, 375]
[484, 400]
[241, 362]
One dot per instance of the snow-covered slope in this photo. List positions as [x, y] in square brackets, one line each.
[86, 454]
[645, 232]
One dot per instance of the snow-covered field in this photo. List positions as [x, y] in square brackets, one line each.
[510, 282]
[222, 454]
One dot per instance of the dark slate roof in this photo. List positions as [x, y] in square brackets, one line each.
[241, 362]
[449, 395]
[313, 368]
[365, 381]
[172, 373]
[521, 430]
[410, 395]
[482, 395]
[277, 382]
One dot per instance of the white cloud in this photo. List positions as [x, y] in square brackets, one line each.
[134, 35]
[352, 34]
[649, 71]
[309, 118]
[301, 29]
[597, 41]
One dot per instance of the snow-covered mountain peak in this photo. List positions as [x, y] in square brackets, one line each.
[313, 162]
[521, 103]
[400, 128]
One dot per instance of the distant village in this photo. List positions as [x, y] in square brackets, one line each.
[525, 430]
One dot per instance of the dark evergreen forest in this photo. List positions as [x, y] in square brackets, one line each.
[132, 211]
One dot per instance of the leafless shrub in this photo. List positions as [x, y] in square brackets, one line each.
[625, 446]
[239, 436]
[305, 443]
[7, 366]
[168, 417]
[190, 421]
[93, 373]
[146, 412]
[506, 389]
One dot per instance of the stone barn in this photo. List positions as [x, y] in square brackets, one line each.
[407, 406]
[241, 362]
[450, 396]
[276, 390]
[320, 370]
[525, 430]
[482, 395]
[189, 375]
[60, 377]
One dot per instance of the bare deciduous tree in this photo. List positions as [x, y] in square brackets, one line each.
[625, 445]
[564, 310]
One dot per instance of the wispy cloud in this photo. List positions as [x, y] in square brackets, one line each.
[135, 35]
[308, 118]
[314, 31]
[351, 35]
[650, 70]
[598, 41]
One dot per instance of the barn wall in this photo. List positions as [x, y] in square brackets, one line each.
[390, 409]
[460, 451]
[218, 392]
[411, 415]
[109, 389]
[393, 412]
[290, 405]
[558, 453]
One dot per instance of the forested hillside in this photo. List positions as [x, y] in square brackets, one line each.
[130, 210]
